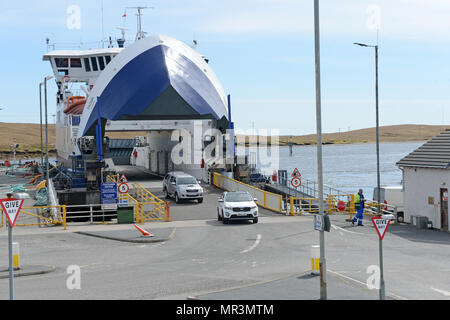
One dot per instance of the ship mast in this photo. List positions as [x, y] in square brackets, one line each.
[140, 33]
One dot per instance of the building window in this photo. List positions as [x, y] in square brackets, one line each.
[101, 61]
[94, 64]
[62, 62]
[87, 65]
[108, 59]
[75, 63]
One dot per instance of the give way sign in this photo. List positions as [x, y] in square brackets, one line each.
[381, 225]
[11, 207]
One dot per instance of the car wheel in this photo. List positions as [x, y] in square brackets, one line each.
[218, 216]
[200, 200]
[166, 194]
[225, 220]
[177, 199]
[255, 220]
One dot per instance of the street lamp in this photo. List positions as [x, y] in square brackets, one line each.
[382, 288]
[377, 118]
[46, 131]
[322, 260]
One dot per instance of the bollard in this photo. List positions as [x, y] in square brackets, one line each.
[15, 253]
[315, 260]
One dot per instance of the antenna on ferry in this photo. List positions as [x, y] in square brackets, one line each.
[140, 34]
[121, 41]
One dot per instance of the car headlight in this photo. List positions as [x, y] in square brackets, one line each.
[253, 207]
[227, 208]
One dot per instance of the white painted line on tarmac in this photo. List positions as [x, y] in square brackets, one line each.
[257, 241]
[342, 229]
[443, 292]
[364, 284]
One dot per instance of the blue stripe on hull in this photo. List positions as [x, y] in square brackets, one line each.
[140, 82]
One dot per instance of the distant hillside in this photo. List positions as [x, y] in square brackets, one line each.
[407, 132]
[27, 135]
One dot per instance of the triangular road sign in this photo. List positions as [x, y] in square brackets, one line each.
[123, 179]
[11, 207]
[296, 173]
[381, 225]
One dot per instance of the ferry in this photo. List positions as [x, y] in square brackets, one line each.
[157, 84]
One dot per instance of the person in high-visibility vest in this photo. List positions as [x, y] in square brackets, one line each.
[359, 205]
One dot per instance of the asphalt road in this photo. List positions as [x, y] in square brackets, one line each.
[205, 259]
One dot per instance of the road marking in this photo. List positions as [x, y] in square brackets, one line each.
[365, 284]
[342, 229]
[443, 292]
[257, 241]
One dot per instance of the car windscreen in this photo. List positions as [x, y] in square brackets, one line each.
[186, 180]
[238, 197]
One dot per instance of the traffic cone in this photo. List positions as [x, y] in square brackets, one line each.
[144, 233]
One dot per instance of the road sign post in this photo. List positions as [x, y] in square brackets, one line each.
[381, 225]
[11, 207]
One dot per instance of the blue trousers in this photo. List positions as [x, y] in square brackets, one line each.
[359, 214]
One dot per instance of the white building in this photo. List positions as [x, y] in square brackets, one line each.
[426, 179]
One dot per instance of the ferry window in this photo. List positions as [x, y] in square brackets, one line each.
[108, 59]
[63, 72]
[94, 64]
[75, 120]
[75, 63]
[62, 62]
[101, 62]
[87, 65]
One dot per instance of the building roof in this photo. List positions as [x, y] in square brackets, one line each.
[435, 153]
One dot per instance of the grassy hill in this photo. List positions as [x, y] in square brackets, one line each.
[407, 132]
[27, 135]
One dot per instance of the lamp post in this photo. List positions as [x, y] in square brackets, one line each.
[322, 261]
[382, 287]
[46, 136]
[42, 143]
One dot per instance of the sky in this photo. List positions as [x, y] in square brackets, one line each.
[263, 54]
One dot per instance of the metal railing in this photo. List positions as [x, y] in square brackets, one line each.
[94, 213]
[45, 215]
[112, 178]
[331, 205]
[150, 207]
[306, 206]
[268, 200]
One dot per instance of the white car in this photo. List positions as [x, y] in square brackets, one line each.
[237, 205]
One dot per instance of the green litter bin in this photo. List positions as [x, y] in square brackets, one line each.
[125, 215]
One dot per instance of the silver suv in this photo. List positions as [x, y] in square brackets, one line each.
[180, 185]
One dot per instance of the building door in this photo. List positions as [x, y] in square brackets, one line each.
[444, 209]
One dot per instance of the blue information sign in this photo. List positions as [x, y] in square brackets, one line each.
[109, 193]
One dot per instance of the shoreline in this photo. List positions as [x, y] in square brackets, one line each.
[24, 155]
[28, 155]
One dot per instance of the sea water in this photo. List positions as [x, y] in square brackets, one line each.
[347, 167]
